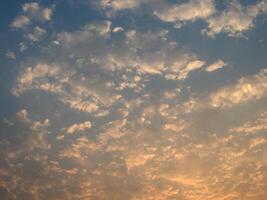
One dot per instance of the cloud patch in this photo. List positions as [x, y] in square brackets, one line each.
[32, 12]
[219, 64]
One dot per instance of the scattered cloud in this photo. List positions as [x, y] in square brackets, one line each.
[118, 29]
[259, 125]
[20, 22]
[219, 64]
[246, 89]
[191, 66]
[235, 20]
[37, 34]
[10, 55]
[79, 127]
[32, 12]
[114, 110]
[121, 4]
[189, 11]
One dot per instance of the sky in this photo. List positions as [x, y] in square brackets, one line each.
[133, 100]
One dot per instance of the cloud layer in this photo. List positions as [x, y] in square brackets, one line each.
[124, 103]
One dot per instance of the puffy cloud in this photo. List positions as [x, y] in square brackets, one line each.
[10, 55]
[32, 78]
[216, 65]
[145, 142]
[246, 89]
[117, 29]
[191, 66]
[121, 4]
[176, 127]
[148, 52]
[23, 115]
[189, 11]
[79, 127]
[20, 22]
[256, 142]
[89, 32]
[80, 149]
[32, 12]
[67, 86]
[235, 19]
[85, 106]
[37, 34]
[260, 124]
[46, 14]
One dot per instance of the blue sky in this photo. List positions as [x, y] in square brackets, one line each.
[133, 99]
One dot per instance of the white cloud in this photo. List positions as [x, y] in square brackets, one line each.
[79, 127]
[191, 66]
[80, 149]
[256, 142]
[215, 66]
[258, 125]
[10, 55]
[31, 7]
[37, 34]
[20, 22]
[148, 143]
[189, 11]
[27, 79]
[84, 94]
[148, 52]
[120, 4]
[89, 33]
[176, 126]
[235, 20]
[32, 12]
[85, 106]
[23, 116]
[246, 89]
[118, 29]
[47, 14]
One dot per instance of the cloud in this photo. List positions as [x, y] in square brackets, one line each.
[37, 34]
[79, 127]
[259, 125]
[80, 149]
[121, 4]
[246, 89]
[256, 142]
[131, 91]
[32, 12]
[177, 127]
[47, 14]
[216, 65]
[118, 29]
[23, 115]
[10, 55]
[189, 11]
[20, 22]
[31, 78]
[67, 86]
[191, 66]
[132, 50]
[235, 20]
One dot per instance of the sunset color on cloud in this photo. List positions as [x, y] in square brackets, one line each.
[133, 100]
